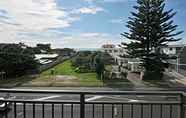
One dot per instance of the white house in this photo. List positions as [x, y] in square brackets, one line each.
[172, 49]
[45, 58]
[115, 52]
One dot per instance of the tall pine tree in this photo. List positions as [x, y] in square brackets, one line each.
[150, 28]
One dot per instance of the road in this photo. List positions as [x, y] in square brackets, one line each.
[109, 110]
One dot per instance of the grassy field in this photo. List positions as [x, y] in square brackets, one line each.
[64, 75]
[66, 69]
[63, 71]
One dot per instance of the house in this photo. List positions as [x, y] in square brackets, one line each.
[176, 51]
[115, 52]
[46, 58]
[172, 49]
[123, 63]
[179, 52]
[183, 56]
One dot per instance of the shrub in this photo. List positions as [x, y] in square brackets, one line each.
[152, 75]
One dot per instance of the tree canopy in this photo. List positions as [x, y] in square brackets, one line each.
[150, 28]
[16, 59]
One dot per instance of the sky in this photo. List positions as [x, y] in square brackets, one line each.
[72, 23]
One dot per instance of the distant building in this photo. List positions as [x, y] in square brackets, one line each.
[115, 52]
[172, 49]
[179, 52]
[46, 58]
[183, 56]
[105, 46]
[176, 51]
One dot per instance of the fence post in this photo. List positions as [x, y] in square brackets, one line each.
[182, 109]
[82, 105]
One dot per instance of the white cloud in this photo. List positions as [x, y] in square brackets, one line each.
[93, 34]
[88, 10]
[17, 16]
[34, 14]
[118, 0]
[89, 0]
[109, 1]
[80, 40]
[39, 21]
[119, 21]
[89, 40]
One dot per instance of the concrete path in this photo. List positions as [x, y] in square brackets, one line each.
[134, 78]
[176, 79]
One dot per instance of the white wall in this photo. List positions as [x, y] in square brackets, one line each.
[169, 50]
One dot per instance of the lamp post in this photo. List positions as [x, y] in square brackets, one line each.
[177, 65]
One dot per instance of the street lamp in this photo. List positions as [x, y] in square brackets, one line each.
[177, 63]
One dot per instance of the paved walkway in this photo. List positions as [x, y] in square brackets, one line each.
[92, 88]
[176, 79]
[134, 78]
[182, 72]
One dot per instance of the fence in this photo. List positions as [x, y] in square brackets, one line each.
[179, 68]
[87, 105]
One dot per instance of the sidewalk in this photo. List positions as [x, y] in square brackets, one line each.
[134, 79]
[176, 78]
[95, 89]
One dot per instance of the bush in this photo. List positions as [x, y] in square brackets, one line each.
[17, 60]
[107, 74]
[124, 75]
[84, 61]
[83, 69]
[149, 75]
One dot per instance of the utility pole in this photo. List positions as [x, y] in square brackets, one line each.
[177, 65]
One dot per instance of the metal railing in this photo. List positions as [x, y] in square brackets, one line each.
[87, 105]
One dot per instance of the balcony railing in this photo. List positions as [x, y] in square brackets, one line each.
[75, 104]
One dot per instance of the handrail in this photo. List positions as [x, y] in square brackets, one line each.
[82, 102]
[40, 102]
[92, 92]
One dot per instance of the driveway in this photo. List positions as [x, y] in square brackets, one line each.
[135, 79]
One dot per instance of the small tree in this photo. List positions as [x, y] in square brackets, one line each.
[150, 28]
[100, 67]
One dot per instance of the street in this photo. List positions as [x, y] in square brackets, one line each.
[110, 110]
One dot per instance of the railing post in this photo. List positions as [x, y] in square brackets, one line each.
[82, 105]
[182, 109]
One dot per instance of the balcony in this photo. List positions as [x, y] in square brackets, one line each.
[75, 104]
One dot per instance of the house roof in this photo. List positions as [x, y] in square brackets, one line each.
[108, 46]
[49, 56]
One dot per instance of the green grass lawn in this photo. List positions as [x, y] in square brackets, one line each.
[57, 79]
[66, 69]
